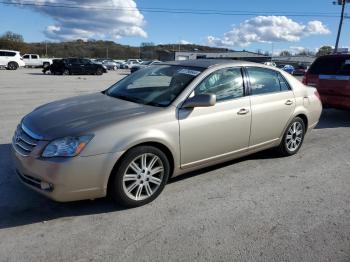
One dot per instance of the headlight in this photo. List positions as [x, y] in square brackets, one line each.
[66, 147]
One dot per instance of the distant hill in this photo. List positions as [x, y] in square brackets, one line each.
[96, 48]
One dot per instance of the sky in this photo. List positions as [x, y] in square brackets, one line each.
[261, 25]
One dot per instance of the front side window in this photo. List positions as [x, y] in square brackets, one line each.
[225, 83]
[263, 81]
[26, 56]
[157, 85]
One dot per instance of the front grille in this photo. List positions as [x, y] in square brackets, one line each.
[23, 142]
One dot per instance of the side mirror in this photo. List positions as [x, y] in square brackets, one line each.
[202, 100]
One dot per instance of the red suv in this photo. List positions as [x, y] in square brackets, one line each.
[331, 76]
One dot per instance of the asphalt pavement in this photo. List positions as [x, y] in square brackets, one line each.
[259, 208]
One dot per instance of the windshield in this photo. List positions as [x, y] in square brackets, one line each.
[156, 85]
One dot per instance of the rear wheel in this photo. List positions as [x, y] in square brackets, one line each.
[12, 66]
[293, 137]
[46, 64]
[99, 71]
[140, 177]
[66, 72]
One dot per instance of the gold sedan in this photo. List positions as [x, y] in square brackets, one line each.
[160, 122]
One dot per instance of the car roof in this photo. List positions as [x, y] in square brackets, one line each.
[9, 50]
[206, 63]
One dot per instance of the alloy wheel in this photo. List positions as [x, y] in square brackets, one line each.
[294, 136]
[143, 176]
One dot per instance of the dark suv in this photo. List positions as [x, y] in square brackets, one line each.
[78, 66]
[331, 76]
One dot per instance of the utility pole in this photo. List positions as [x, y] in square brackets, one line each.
[45, 48]
[340, 2]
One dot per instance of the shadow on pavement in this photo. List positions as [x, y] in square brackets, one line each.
[21, 206]
[332, 118]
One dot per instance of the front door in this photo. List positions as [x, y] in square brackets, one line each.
[208, 133]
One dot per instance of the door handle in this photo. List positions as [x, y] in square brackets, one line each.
[289, 102]
[243, 111]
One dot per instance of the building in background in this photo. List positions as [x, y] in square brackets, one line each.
[233, 55]
[295, 61]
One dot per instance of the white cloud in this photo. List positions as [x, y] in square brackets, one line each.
[184, 42]
[122, 19]
[266, 29]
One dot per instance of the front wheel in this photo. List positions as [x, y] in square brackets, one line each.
[66, 72]
[293, 138]
[140, 177]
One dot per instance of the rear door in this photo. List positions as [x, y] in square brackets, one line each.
[272, 105]
[34, 60]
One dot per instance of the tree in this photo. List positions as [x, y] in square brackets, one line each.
[12, 41]
[324, 50]
[285, 53]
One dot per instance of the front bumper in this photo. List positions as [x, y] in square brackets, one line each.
[66, 179]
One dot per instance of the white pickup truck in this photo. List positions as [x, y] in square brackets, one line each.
[34, 60]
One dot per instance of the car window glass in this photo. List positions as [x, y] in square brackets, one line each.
[225, 84]
[26, 56]
[2, 53]
[263, 81]
[331, 66]
[34, 57]
[10, 53]
[283, 83]
[155, 85]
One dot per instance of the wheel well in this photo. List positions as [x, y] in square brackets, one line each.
[160, 146]
[305, 120]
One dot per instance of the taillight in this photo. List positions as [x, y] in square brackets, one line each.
[305, 80]
[317, 94]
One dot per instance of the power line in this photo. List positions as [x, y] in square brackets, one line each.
[174, 11]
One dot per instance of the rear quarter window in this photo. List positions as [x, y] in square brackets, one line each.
[331, 66]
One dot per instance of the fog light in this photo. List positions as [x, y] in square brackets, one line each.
[46, 186]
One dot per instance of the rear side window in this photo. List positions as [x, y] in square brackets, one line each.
[331, 66]
[26, 56]
[263, 81]
[2, 53]
[11, 54]
[34, 57]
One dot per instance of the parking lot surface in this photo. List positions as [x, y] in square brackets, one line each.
[259, 208]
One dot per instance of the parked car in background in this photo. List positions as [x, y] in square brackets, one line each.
[288, 68]
[299, 71]
[110, 64]
[331, 76]
[34, 60]
[11, 60]
[270, 64]
[78, 66]
[144, 64]
[133, 62]
[163, 121]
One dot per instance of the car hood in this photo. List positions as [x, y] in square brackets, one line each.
[81, 115]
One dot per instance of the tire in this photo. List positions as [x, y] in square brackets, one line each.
[132, 183]
[293, 138]
[46, 64]
[99, 71]
[66, 72]
[12, 66]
